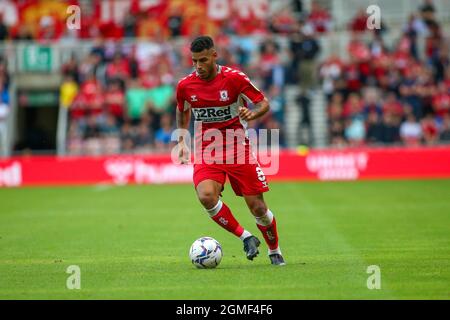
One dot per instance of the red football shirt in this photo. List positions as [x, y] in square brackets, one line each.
[215, 105]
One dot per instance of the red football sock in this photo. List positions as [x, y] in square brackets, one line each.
[270, 234]
[222, 215]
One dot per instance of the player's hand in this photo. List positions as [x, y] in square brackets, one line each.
[246, 114]
[183, 153]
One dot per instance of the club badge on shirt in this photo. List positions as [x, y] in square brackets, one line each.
[224, 95]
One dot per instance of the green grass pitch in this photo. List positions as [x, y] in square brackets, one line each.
[132, 242]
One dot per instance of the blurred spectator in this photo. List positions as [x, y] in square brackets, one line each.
[390, 129]
[411, 131]
[374, 128]
[227, 58]
[359, 61]
[175, 21]
[353, 107]
[337, 134]
[136, 98]
[414, 28]
[427, 11]
[277, 103]
[163, 136]
[129, 25]
[127, 137]
[283, 22]
[92, 136]
[377, 47]
[359, 21]
[68, 91]
[304, 101]
[110, 127]
[4, 32]
[4, 106]
[336, 119]
[70, 68]
[270, 69]
[160, 99]
[90, 66]
[445, 132]
[429, 130]
[409, 93]
[143, 138]
[115, 101]
[440, 62]
[118, 69]
[50, 29]
[441, 101]
[75, 138]
[98, 50]
[305, 49]
[245, 49]
[92, 129]
[91, 96]
[372, 102]
[355, 131]
[4, 111]
[352, 77]
[433, 40]
[330, 71]
[319, 18]
[297, 8]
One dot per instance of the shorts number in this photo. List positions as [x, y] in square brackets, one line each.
[260, 173]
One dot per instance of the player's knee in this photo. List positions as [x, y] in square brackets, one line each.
[208, 199]
[258, 208]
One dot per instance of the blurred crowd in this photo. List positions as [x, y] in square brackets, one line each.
[376, 95]
[121, 98]
[120, 95]
[383, 95]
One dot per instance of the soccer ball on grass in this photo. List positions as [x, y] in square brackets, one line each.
[205, 253]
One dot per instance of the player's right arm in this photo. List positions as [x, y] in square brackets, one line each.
[183, 118]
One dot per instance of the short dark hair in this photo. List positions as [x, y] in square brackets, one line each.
[201, 43]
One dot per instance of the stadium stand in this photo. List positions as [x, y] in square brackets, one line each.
[330, 80]
[389, 94]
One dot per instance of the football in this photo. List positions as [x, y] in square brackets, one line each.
[205, 253]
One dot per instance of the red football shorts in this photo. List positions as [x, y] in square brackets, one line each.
[245, 179]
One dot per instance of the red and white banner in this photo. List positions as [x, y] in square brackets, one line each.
[355, 164]
[351, 164]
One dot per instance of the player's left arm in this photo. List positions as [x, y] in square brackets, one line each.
[254, 95]
[258, 111]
